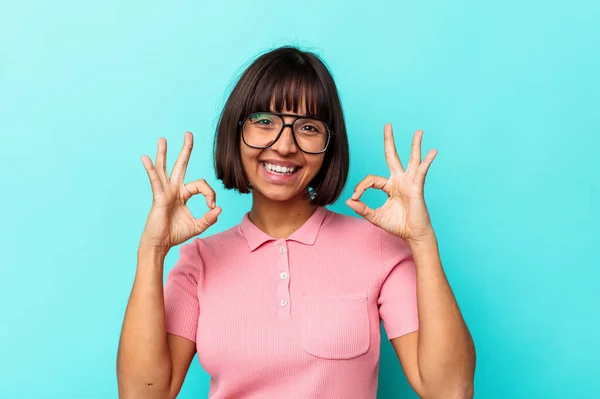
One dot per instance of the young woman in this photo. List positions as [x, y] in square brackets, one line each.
[288, 303]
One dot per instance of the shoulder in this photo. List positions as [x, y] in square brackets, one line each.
[349, 224]
[214, 244]
[359, 231]
[356, 234]
[230, 235]
[199, 251]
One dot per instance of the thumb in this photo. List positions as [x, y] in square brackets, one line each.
[362, 209]
[208, 219]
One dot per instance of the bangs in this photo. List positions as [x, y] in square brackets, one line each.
[289, 84]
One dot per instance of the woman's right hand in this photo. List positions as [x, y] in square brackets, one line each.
[170, 221]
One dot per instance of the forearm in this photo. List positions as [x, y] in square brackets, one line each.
[143, 361]
[446, 354]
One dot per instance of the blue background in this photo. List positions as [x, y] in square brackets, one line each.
[508, 92]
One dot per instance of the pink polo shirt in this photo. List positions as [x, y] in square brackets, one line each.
[296, 317]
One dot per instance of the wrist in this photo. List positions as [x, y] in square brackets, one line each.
[150, 263]
[152, 252]
[425, 252]
[424, 240]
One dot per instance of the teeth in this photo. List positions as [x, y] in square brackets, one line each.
[279, 169]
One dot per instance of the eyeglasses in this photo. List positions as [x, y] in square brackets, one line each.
[263, 129]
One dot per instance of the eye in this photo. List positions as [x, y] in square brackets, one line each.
[261, 119]
[310, 127]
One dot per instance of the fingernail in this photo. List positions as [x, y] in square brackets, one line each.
[212, 204]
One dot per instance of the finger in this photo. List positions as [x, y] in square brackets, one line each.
[155, 183]
[161, 160]
[362, 209]
[207, 220]
[415, 155]
[201, 187]
[377, 182]
[391, 155]
[424, 167]
[183, 158]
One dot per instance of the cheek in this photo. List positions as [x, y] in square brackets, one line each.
[249, 157]
[315, 164]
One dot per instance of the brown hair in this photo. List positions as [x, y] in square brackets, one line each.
[284, 77]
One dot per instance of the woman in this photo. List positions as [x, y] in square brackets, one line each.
[287, 304]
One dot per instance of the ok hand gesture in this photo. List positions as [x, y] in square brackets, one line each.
[404, 214]
[170, 221]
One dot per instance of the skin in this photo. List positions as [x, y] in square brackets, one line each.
[438, 360]
[151, 363]
[280, 209]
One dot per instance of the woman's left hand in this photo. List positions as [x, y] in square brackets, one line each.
[404, 214]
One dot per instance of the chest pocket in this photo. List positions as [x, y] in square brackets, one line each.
[335, 327]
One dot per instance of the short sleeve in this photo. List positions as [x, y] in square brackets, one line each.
[398, 294]
[181, 293]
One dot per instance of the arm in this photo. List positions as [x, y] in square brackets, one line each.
[439, 359]
[150, 362]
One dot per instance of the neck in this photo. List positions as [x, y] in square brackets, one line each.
[279, 219]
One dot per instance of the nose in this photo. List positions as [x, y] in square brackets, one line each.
[285, 144]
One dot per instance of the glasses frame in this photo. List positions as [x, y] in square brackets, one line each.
[330, 132]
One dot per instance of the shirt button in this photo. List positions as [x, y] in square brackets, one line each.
[283, 302]
[281, 250]
[283, 275]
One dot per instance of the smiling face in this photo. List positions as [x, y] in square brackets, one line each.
[287, 81]
[281, 172]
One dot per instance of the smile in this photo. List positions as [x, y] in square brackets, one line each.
[279, 170]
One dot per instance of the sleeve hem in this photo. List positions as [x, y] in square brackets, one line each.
[401, 332]
[182, 334]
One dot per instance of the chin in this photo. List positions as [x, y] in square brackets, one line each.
[282, 194]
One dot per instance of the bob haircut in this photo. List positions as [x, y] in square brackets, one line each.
[284, 78]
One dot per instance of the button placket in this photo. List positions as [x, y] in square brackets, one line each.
[283, 280]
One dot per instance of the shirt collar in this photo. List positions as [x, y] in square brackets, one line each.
[306, 234]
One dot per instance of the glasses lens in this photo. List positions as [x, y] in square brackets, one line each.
[311, 134]
[260, 130]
